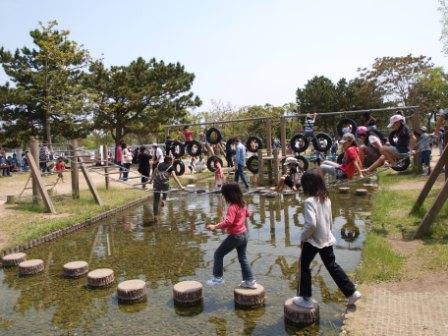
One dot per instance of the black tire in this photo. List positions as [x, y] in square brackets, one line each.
[179, 167]
[211, 161]
[299, 138]
[323, 139]
[191, 146]
[340, 158]
[213, 136]
[349, 232]
[402, 164]
[252, 164]
[254, 140]
[177, 149]
[229, 147]
[345, 121]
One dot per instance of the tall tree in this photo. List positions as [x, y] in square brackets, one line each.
[431, 90]
[140, 97]
[45, 97]
[397, 75]
[318, 95]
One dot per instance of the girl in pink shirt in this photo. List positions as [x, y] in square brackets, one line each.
[219, 175]
[235, 224]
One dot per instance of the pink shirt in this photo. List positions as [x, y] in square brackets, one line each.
[219, 173]
[119, 157]
[235, 221]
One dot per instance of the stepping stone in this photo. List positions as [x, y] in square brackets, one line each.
[344, 190]
[289, 193]
[361, 192]
[30, 267]
[13, 259]
[249, 298]
[369, 185]
[131, 291]
[299, 316]
[75, 269]
[101, 277]
[187, 293]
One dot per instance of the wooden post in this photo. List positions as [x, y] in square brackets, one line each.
[269, 137]
[40, 184]
[432, 179]
[275, 172]
[106, 164]
[34, 148]
[90, 183]
[260, 168]
[283, 135]
[74, 168]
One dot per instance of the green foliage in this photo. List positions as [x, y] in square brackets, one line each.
[140, 97]
[430, 91]
[45, 97]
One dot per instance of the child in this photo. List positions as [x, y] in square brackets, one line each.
[317, 238]
[424, 146]
[292, 177]
[219, 175]
[235, 223]
[60, 168]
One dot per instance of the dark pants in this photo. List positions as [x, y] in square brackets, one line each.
[231, 242]
[240, 172]
[44, 167]
[336, 272]
[156, 200]
[126, 168]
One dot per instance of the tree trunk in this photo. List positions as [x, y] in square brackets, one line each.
[47, 131]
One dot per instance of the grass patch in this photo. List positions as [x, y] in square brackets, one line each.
[380, 263]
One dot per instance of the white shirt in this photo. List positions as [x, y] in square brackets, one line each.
[318, 223]
[127, 156]
[159, 155]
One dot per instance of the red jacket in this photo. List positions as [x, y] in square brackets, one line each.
[235, 220]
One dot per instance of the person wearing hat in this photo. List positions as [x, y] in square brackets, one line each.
[400, 149]
[369, 145]
[292, 177]
[351, 162]
[424, 147]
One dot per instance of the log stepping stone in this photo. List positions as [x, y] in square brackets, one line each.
[289, 193]
[361, 192]
[75, 269]
[187, 293]
[30, 267]
[369, 185]
[101, 277]
[249, 298]
[13, 259]
[299, 316]
[344, 190]
[131, 291]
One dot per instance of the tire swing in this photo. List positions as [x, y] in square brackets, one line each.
[177, 149]
[349, 232]
[194, 148]
[344, 122]
[179, 167]
[299, 143]
[252, 164]
[213, 136]
[253, 144]
[231, 147]
[324, 142]
[303, 162]
[211, 162]
[403, 163]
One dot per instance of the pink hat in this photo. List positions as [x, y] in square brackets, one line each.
[394, 119]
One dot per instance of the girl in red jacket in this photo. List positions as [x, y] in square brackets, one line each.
[235, 223]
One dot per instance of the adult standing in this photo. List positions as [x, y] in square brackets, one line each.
[144, 166]
[240, 162]
[119, 157]
[157, 156]
[44, 157]
[127, 161]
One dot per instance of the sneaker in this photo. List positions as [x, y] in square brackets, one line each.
[215, 281]
[252, 284]
[303, 302]
[353, 298]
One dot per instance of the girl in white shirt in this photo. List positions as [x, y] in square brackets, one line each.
[317, 238]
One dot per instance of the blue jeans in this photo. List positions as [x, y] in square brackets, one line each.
[240, 243]
[240, 172]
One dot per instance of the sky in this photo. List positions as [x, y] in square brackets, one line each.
[242, 52]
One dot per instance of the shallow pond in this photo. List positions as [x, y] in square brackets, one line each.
[176, 248]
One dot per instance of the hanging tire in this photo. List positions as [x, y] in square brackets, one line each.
[402, 164]
[211, 162]
[340, 158]
[346, 121]
[299, 143]
[194, 148]
[179, 167]
[252, 164]
[231, 147]
[213, 136]
[324, 142]
[253, 144]
[177, 149]
[349, 232]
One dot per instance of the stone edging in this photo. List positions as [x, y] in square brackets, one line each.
[54, 235]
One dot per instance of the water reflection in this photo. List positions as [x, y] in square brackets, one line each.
[177, 247]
